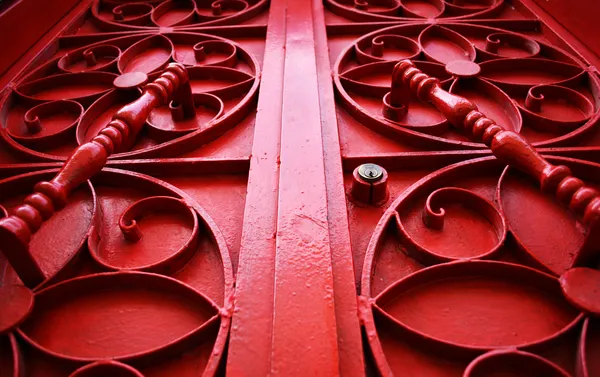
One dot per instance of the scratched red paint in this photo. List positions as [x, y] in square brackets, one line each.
[187, 188]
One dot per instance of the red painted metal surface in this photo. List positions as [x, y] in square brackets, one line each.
[251, 188]
[40, 16]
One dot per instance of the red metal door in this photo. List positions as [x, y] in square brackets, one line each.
[284, 198]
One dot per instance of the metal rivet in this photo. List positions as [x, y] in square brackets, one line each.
[370, 172]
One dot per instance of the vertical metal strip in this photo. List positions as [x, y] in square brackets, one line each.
[304, 323]
[349, 335]
[249, 351]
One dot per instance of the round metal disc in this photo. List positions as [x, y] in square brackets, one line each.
[463, 68]
[130, 80]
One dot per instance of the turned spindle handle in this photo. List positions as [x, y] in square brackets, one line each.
[85, 161]
[509, 147]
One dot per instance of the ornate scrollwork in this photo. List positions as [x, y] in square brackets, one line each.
[145, 239]
[529, 86]
[223, 76]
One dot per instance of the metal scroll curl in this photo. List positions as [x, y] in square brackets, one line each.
[166, 300]
[68, 100]
[456, 273]
[531, 87]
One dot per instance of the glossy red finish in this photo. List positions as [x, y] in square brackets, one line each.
[85, 162]
[429, 300]
[302, 262]
[509, 148]
[578, 18]
[104, 368]
[581, 286]
[298, 187]
[21, 303]
[512, 363]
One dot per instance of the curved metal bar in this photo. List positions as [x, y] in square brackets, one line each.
[86, 161]
[509, 147]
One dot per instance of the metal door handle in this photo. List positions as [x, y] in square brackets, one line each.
[509, 147]
[86, 161]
